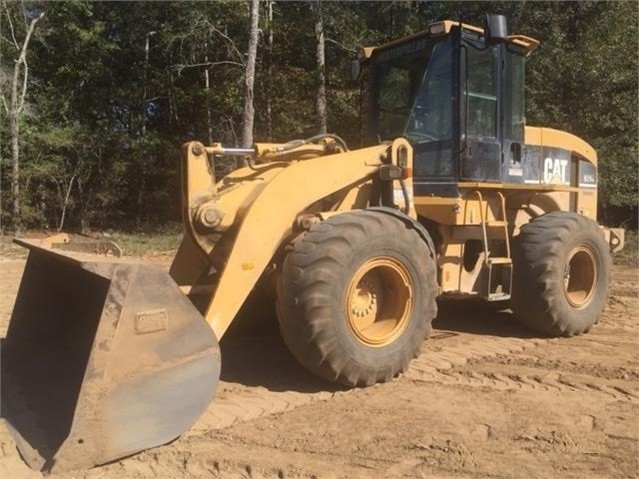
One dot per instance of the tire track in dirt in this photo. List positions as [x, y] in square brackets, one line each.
[578, 364]
[514, 381]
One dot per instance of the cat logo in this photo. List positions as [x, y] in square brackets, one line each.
[555, 171]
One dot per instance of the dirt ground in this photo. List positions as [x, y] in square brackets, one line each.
[485, 399]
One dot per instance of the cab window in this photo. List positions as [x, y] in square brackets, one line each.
[481, 93]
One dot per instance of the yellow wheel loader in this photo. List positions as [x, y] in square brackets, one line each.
[455, 197]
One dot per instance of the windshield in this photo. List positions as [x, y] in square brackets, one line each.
[431, 118]
[397, 81]
[413, 95]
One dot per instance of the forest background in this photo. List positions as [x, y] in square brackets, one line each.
[102, 95]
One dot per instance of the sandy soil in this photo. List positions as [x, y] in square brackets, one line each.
[485, 399]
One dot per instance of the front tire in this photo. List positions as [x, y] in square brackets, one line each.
[356, 297]
[561, 274]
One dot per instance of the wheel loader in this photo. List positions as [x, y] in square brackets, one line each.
[453, 196]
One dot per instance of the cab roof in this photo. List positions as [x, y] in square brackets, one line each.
[443, 28]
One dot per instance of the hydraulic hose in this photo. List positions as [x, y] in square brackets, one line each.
[297, 143]
[406, 208]
[280, 150]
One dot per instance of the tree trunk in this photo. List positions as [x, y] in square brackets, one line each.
[321, 69]
[65, 202]
[249, 111]
[269, 73]
[14, 111]
[14, 131]
[143, 120]
[207, 88]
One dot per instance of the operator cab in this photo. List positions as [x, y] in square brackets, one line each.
[457, 94]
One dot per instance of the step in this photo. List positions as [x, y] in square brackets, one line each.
[497, 223]
[498, 297]
[499, 260]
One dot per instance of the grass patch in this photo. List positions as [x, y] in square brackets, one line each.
[629, 255]
[139, 243]
[8, 249]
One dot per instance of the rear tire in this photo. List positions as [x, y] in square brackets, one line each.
[356, 297]
[561, 274]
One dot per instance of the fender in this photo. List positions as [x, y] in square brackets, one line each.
[270, 218]
[410, 222]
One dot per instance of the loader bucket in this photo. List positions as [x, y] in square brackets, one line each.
[103, 358]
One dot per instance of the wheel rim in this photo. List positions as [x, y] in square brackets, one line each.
[580, 276]
[379, 301]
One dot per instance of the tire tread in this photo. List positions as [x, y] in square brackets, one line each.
[538, 293]
[303, 295]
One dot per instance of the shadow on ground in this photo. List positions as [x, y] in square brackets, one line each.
[265, 361]
[479, 317]
[253, 353]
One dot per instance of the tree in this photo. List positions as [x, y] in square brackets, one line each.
[269, 71]
[321, 67]
[17, 97]
[249, 79]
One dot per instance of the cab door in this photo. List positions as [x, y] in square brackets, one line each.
[512, 114]
[481, 145]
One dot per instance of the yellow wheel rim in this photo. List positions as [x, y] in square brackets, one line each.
[580, 276]
[379, 301]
